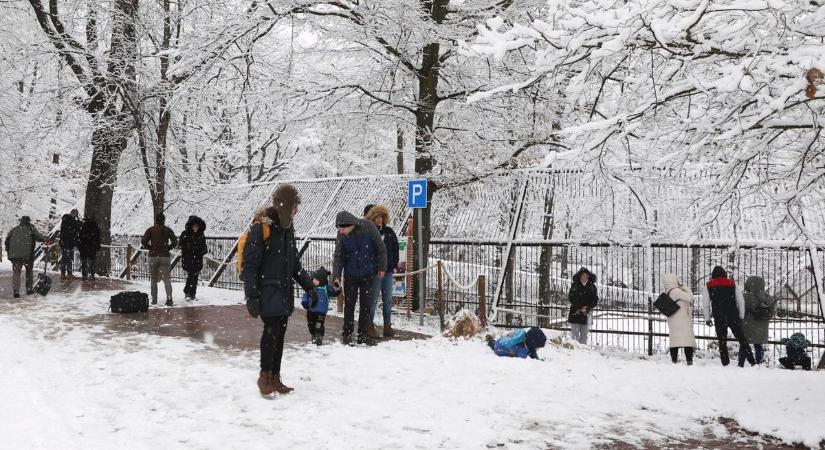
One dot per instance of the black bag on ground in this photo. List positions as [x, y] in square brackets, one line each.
[129, 302]
[665, 304]
[44, 282]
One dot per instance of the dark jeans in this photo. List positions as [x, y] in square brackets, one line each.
[674, 354]
[789, 363]
[722, 324]
[66, 260]
[191, 287]
[272, 343]
[357, 289]
[88, 266]
[315, 323]
[760, 354]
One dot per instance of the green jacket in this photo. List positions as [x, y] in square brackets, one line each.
[20, 242]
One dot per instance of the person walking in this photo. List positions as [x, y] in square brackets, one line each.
[20, 251]
[159, 239]
[270, 267]
[192, 246]
[722, 301]
[88, 245]
[69, 232]
[680, 323]
[759, 310]
[583, 298]
[360, 256]
[382, 288]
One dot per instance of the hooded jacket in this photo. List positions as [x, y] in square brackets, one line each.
[582, 295]
[520, 343]
[360, 253]
[69, 231]
[680, 323]
[388, 235]
[269, 269]
[193, 245]
[20, 241]
[756, 331]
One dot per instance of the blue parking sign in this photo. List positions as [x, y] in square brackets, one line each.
[417, 194]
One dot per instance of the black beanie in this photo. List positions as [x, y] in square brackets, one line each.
[367, 209]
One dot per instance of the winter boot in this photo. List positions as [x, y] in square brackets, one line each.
[16, 294]
[29, 291]
[279, 387]
[318, 340]
[265, 383]
[388, 332]
[169, 302]
[366, 340]
[372, 332]
[346, 339]
[154, 301]
[62, 275]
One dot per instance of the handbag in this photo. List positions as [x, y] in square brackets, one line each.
[665, 304]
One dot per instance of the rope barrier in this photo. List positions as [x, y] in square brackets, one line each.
[455, 283]
[402, 275]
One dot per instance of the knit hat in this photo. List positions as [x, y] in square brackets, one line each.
[367, 209]
[322, 275]
[719, 272]
[535, 338]
[345, 219]
[25, 219]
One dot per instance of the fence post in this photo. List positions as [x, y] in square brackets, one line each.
[649, 262]
[440, 294]
[482, 300]
[128, 260]
[408, 291]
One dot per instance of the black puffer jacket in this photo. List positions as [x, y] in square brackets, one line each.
[89, 242]
[193, 245]
[69, 231]
[269, 269]
[582, 295]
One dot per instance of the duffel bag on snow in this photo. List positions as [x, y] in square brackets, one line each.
[129, 302]
[665, 304]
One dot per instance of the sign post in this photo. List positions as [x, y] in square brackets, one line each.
[417, 199]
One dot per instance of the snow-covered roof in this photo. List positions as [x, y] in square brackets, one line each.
[555, 205]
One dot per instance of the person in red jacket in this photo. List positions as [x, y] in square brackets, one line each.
[723, 301]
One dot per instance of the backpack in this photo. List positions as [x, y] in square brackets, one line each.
[762, 311]
[242, 243]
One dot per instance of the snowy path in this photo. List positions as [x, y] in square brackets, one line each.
[65, 384]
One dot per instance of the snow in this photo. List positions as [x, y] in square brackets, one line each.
[72, 384]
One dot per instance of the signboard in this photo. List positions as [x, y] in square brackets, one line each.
[417, 194]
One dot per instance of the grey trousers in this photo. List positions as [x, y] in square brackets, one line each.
[17, 267]
[579, 332]
[159, 269]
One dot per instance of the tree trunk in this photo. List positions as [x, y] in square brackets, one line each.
[546, 261]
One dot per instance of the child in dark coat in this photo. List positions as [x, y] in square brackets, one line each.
[795, 347]
[519, 344]
[317, 307]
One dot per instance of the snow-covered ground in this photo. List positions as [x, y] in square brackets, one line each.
[70, 384]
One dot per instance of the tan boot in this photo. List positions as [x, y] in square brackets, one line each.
[265, 383]
[279, 387]
[388, 332]
[372, 332]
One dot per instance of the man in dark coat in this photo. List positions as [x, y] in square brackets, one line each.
[361, 256]
[583, 297]
[723, 300]
[88, 245]
[268, 273]
[69, 232]
[20, 250]
[192, 246]
[159, 239]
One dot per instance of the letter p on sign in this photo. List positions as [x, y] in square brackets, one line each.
[417, 194]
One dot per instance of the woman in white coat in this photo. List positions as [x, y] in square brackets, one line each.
[680, 323]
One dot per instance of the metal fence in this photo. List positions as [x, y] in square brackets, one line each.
[532, 281]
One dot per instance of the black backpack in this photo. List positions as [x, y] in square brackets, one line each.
[44, 282]
[762, 311]
[129, 302]
[665, 304]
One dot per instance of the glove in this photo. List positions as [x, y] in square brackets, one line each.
[313, 299]
[709, 323]
[253, 306]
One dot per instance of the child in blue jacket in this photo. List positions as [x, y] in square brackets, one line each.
[795, 348]
[317, 310]
[519, 344]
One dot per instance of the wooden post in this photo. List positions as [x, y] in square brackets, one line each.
[128, 260]
[409, 265]
[482, 300]
[440, 293]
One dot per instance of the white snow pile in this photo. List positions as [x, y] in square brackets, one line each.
[67, 384]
